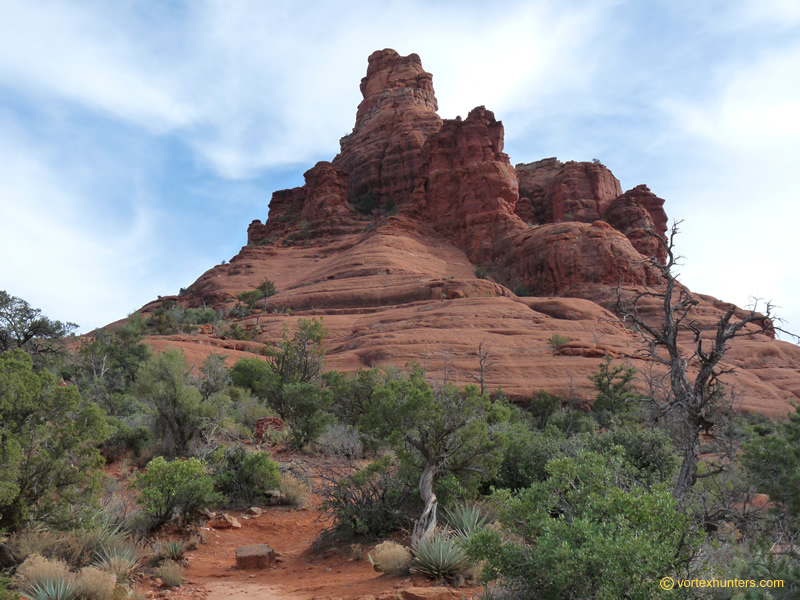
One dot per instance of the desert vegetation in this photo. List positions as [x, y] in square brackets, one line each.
[540, 500]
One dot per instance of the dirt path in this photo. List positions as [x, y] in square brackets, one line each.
[301, 573]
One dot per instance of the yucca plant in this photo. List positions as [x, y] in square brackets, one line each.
[51, 589]
[174, 550]
[464, 520]
[122, 561]
[439, 557]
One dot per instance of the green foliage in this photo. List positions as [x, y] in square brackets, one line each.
[305, 229]
[48, 442]
[390, 205]
[237, 332]
[251, 374]
[765, 564]
[588, 532]
[106, 365]
[543, 406]
[171, 318]
[251, 298]
[525, 457]
[24, 327]
[6, 593]
[557, 340]
[648, 452]
[448, 428]
[122, 561]
[297, 358]
[615, 393]
[365, 203]
[773, 464]
[52, 589]
[175, 489]
[305, 409]
[465, 519]
[521, 291]
[243, 476]
[264, 290]
[439, 557]
[365, 503]
[177, 410]
[353, 393]
[481, 272]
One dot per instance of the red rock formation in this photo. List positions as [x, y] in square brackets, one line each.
[573, 191]
[563, 258]
[402, 287]
[321, 203]
[468, 188]
[638, 213]
[397, 115]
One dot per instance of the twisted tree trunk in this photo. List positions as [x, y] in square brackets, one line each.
[427, 522]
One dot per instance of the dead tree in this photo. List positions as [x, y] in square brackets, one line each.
[692, 398]
[484, 363]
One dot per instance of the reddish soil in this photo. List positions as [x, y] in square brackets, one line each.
[301, 573]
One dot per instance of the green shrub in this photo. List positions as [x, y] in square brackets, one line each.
[557, 340]
[178, 412]
[543, 406]
[237, 332]
[366, 203]
[48, 443]
[306, 409]
[366, 502]
[176, 489]
[481, 272]
[521, 291]
[525, 457]
[243, 476]
[6, 593]
[615, 392]
[648, 451]
[251, 298]
[587, 531]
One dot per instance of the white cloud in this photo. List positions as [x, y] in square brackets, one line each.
[53, 48]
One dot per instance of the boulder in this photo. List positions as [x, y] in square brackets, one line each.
[224, 521]
[256, 556]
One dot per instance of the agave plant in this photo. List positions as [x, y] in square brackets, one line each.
[174, 550]
[464, 520]
[122, 561]
[51, 589]
[439, 557]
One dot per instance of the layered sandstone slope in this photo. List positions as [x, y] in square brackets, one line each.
[386, 243]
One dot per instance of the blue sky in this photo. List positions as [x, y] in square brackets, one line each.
[139, 138]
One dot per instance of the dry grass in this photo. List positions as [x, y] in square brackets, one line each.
[93, 584]
[295, 491]
[391, 557]
[90, 583]
[37, 569]
[170, 573]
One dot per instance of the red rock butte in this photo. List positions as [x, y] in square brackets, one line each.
[387, 240]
